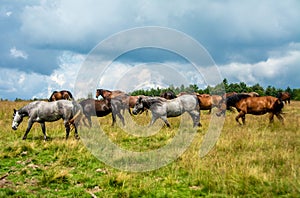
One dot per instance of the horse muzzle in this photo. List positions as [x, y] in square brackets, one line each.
[14, 127]
[135, 112]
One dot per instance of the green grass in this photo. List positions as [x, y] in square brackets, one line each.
[256, 160]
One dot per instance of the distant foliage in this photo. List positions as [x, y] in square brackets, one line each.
[218, 89]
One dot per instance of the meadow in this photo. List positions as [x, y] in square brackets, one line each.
[256, 160]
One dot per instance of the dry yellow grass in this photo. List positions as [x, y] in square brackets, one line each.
[257, 159]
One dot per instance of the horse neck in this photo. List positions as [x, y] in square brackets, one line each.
[24, 110]
[233, 100]
[150, 101]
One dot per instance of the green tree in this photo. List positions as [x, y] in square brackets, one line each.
[258, 89]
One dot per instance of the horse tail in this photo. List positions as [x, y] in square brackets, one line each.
[79, 112]
[71, 96]
[199, 101]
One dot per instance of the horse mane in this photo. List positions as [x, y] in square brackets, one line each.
[149, 101]
[71, 96]
[54, 92]
[232, 100]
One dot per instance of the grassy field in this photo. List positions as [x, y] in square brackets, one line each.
[256, 160]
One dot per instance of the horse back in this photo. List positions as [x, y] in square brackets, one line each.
[51, 111]
[205, 101]
[260, 105]
[182, 103]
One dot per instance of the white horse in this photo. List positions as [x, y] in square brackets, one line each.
[162, 108]
[41, 112]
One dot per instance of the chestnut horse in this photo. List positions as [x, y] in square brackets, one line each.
[285, 97]
[253, 105]
[127, 100]
[60, 95]
[207, 102]
[108, 94]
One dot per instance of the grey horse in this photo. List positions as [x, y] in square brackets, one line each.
[41, 112]
[162, 108]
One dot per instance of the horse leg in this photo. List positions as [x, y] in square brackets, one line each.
[89, 120]
[271, 118]
[67, 126]
[244, 119]
[238, 116]
[164, 118]
[30, 123]
[121, 118]
[129, 111]
[76, 132]
[113, 119]
[195, 115]
[153, 119]
[280, 118]
[44, 130]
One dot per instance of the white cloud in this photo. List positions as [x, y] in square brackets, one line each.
[65, 76]
[8, 13]
[14, 52]
[280, 71]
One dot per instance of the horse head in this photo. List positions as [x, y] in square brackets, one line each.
[17, 119]
[139, 106]
[222, 106]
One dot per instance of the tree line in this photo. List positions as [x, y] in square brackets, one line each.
[220, 88]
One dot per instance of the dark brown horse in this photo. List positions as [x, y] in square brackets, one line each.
[101, 108]
[108, 94]
[61, 95]
[253, 105]
[285, 97]
[168, 95]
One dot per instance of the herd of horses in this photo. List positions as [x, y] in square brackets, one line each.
[62, 105]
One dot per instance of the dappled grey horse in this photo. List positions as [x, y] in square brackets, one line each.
[162, 108]
[41, 112]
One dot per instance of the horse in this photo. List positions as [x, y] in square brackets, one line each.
[131, 101]
[168, 95]
[163, 108]
[41, 112]
[207, 102]
[246, 104]
[101, 108]
[108, 94]
[61, 95]
[252, 94]
[285, 97]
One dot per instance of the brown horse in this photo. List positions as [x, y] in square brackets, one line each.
[285, 97]
[253, 105]
[252, 94]
[101, 108]
[168, 95]
[108, 94]
[61, 95]
[207, 102]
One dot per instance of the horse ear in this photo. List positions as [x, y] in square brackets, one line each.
[15, 110]
[140, 99]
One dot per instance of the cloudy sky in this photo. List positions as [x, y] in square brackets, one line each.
[45, 43]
